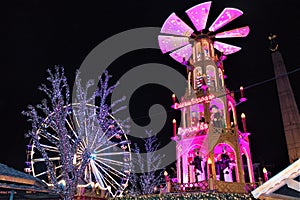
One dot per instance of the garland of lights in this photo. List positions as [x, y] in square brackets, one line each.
[59, 95]
[184, 196]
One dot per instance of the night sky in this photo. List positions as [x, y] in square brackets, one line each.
[36, 35]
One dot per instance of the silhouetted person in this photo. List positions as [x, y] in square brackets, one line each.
[216, 117]
[198, 166]
[226, 173]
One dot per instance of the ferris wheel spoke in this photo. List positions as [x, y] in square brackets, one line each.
[87, 174]
[43, 159]
[108, 170]
[92, 125]
[48, 134]
[40, 174]
[53, 129]
[50, 148]
[111, 153]
[113, 169]
[59, 166]
[80, 150]
[45, 172]
[71, 122]
[81, 146]
[59, 176]
[96, 172]
[111, 172]
[86, 131]
[79, 153]
[113, 135]
[99, 177]
[109, 183]
[100, 139]
[94, 140]
[110, 161]
[82, 143]
[72, 128]
[108, 147]
[105, 171]
[76, 119]
[98, 131]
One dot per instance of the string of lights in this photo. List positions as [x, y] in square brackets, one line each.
[234, 91]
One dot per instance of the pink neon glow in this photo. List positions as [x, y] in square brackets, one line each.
[219, 148]
[238, 32]
[199, 14]
[226, 48]
[184, 52]
[194, 101]
[174, 25]
[227, 15]
[192, 129]
[169, 43]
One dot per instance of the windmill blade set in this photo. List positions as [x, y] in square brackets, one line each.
[177, 34]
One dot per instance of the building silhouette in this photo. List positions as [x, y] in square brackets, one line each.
[289, 109]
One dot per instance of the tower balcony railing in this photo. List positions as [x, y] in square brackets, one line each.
[195, 131]
[212, 185]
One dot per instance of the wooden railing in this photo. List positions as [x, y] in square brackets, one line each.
[89, 194]
[190, 187]
[214, 185]
[225, 132]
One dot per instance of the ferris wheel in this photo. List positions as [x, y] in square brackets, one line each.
[110, 158]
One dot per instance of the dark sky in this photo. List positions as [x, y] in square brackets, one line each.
[36, 35]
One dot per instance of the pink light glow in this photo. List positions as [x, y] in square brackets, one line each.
[169, 43]
[227, 15]
[226, 48]
[219, 148]
[184, 52]
[238, 32]
[202, 126]
[174, 25]
[194, 101]
[199, 14]
[266, 178]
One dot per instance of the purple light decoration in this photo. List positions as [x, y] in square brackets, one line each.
[226, 48]
[174, 25]
[227, 15]
[199, 14]
[169, 43]
[238, 32]
[184, 52]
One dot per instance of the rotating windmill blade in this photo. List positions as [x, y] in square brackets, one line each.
[178, 36]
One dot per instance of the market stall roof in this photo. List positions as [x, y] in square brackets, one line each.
[21, 185]
[284, 185]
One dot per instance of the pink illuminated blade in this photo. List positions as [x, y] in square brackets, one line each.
[238, 32]
[184, 52]
[174, 25]
[198, 15]
[169, 43]
[227, 15]
[226, 48]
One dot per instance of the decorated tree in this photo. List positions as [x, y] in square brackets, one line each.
[147, 173]
[77, 144]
